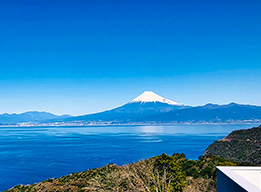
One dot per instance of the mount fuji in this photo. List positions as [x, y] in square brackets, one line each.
[145, 105]
[150, 108]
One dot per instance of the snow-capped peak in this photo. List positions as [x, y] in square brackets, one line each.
[149, 96]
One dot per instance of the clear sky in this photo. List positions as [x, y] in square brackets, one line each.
[83, 56]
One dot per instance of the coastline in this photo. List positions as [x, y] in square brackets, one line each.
[104, 124]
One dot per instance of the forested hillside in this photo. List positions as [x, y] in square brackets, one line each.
[160, 173]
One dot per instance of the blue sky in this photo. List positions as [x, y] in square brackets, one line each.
[78, 57]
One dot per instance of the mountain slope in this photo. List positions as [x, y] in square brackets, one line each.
[31, 116]
[211, 113]
[240, 145]
[147, 104]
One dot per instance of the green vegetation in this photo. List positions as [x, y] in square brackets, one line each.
[240, 145]
[158, 174]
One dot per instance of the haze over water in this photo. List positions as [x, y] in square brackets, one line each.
[33, 154]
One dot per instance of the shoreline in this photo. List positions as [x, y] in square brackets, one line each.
[127, 124]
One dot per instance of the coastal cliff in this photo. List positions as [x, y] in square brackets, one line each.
[240, 145]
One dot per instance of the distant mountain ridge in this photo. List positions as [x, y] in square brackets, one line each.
[30, 116]
[211, 113]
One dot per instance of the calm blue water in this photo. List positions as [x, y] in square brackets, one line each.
[29, 155]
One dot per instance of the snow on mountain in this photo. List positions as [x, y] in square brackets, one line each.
[150, 96]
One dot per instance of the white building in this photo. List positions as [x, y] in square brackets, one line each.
[238, 179]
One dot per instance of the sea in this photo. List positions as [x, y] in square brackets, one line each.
[33, 154]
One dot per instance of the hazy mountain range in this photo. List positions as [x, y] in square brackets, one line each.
[211, 113]
[31, 116]
[148, 108]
